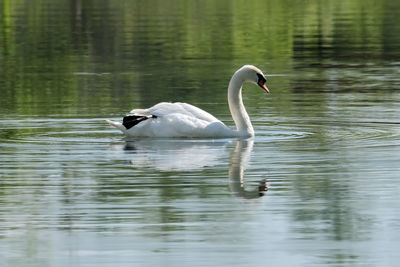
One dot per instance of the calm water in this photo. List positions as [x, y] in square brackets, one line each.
[318, 185]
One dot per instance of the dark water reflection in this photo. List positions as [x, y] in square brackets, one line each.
[73, 192]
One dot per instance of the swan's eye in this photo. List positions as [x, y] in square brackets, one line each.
[261, 82]
[261, 79]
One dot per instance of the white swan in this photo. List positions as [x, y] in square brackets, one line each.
[185, 120]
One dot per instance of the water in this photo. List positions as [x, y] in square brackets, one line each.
[318, 185]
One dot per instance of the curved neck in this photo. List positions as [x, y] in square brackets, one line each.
[238, 111]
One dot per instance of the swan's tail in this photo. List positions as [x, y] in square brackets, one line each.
[117, 125]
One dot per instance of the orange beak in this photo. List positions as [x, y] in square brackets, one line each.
[261, 83]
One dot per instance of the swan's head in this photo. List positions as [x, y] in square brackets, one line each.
[254, 75]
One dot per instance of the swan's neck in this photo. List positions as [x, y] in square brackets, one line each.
[238, 111]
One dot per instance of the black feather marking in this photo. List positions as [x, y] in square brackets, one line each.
[131, 120]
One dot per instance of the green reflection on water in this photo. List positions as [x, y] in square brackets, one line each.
[68, 57]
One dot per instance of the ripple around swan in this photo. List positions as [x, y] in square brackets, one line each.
[279, 134]
[94, 130]
[363, 133]
[61, 131]
[344, 133]
[74, 136]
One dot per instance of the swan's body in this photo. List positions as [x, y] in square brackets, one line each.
[185, 120]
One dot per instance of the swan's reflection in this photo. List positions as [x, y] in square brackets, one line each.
[191, 155]
[175, 154]
[239, 159]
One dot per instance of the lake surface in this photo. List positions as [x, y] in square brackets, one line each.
[318, 184]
